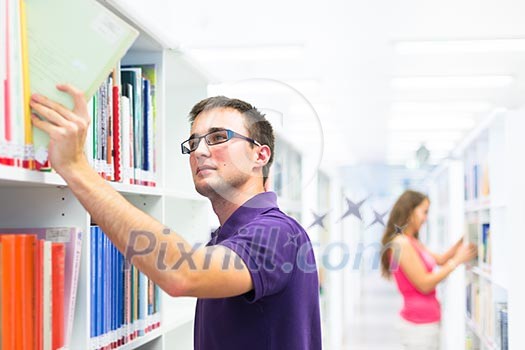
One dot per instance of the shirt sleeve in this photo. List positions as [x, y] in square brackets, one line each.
[268, 246]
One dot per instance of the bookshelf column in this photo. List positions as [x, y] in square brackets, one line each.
[516, 145]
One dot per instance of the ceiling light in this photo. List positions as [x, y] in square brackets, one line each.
[432, 145]
[447, 82]
[248, 53]
[449, 106]
[421, 135]
[459, 46]
[435, 123]
[260, 86]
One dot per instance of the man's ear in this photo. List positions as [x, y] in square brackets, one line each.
[263, 155]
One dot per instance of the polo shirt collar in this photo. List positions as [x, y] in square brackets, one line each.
[256, 205]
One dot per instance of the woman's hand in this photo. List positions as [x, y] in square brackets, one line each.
[67, 129]
[465, 253]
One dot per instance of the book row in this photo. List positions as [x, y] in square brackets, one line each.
[124, 302]
[480, 234]
[38, 281]
[36, 55]
[121, 140]
[477, 184]
[487, 311]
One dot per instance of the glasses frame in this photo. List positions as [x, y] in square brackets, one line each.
[229, 135]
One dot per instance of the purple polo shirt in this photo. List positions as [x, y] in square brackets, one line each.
[282, 311]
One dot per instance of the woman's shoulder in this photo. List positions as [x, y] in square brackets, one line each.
[401, 239]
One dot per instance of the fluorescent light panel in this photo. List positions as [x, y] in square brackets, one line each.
[421, 135]
[259, 86]
[249, 53]
[437, 123]
[431, 145]
[459, 46]
[447, 82]
[451, 106]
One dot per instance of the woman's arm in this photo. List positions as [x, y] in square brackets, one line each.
[441, 259]
[417, 274]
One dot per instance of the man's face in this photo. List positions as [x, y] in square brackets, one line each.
[219, 169]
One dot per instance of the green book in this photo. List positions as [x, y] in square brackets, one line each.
[75, 42]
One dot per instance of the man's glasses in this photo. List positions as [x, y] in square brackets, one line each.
[213, 138]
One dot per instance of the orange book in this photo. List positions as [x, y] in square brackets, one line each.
[1, 274]
[58, 257]
[25, 299]
[8, 292]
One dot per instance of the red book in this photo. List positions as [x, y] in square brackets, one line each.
[58, 258]
[116, 131]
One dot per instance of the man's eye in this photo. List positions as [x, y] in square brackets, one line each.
[193, 143]
[218, 137]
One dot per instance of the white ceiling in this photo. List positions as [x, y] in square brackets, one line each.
[343, 60]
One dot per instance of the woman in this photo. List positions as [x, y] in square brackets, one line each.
[412, 265]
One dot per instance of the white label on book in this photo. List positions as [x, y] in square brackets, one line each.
[57, 235]
[41, 155]
[108, 28]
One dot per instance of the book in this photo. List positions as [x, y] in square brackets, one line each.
[58, 268]
[14, 89]
[132, 76]
[504, 328]
[8, 300]
[117, 161]
[58, 56]
[25, 300]
[47, 296]
[3, 80]
[27, 155]
[485, 248]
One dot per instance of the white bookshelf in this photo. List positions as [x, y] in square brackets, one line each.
[487, 189]
[486, 201]
[445, 222]
[515, 143]
[42, 199]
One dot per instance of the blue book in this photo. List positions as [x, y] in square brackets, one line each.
[485, 240]
[143, 302]
[92, 282]
[147, 120]
[504, 329]
[99, 288]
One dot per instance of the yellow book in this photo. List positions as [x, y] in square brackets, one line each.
[75, 42]
[28, 132]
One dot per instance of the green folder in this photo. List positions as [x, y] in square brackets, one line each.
[77, 42]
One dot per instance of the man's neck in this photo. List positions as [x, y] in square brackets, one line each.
[225, 207]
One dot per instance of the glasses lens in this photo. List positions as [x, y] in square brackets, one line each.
[185, 148]
[217, 137]
[193, 143]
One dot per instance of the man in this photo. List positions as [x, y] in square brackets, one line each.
[256, 279]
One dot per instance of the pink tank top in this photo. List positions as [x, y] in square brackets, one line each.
[418, 307]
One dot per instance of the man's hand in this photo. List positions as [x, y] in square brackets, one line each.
[67, 129]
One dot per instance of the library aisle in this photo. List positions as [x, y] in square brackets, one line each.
[377, 316]
[368, 101]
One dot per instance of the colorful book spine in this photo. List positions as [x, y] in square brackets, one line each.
[58, 253]
[122, 298]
